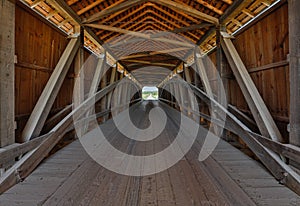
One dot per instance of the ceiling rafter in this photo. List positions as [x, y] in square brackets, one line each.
[144, 18]
[164, 12]
[152, 6]
[125, 17]
[167, 51]
[89, 7]
[209, 6]
[149, 63]
[185, 29]
[124, 25]
[116, 14]
[182, 14]
[157, 27]
[170, 28]
[127, 38]
[158, 45]
[228, 1]
[187, 9]
[71, 2]
[171, 22]
[121, 6]
[141, 44]
[137, 34]
[36, 3]
[140, 21]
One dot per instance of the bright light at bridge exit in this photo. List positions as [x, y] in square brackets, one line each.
[150, 93]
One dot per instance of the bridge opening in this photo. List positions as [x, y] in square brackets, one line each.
[150, 93]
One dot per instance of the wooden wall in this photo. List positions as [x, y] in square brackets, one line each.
[264, 43]
[38, 49]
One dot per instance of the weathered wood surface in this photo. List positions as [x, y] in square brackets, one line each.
[7, 73]
[255, 102]
[280, 170]
[45, 102]
[227, 177]
[294, 43]
[32, 159]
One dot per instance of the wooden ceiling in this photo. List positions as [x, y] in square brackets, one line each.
[130, 26]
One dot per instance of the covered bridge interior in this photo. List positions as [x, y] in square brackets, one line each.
[75, 128]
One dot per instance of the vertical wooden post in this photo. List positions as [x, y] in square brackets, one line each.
[79, 75]
[78, 92]
[222, 83]
[7, 73]
[294, 41]
[118, 91]
[112, 80]
[191, 105]
[125, 94]
[221, 63]
[114, 100]
[97, 76]
[103, 100]
[174, 93]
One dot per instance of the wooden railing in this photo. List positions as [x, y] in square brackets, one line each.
[38, 148]
[267, 150]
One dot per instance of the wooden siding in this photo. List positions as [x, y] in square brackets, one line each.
[38, 49]
[264, 43]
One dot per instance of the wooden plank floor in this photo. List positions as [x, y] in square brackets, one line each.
[227, 177]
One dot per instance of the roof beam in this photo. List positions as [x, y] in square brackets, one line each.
[110, 10]
[125, 17]
[150, 63]
[231, 12]
[167, 51]
[142, 20]
[125, 24]
[171, 22]
[89, 7]
[36, 3]
[173, 16]
[138, 34]
[211, 7]
[71, 2]
[130, 27]
[184, 29]
[126, 38]
[187, 9]
[227, 1]
[151, 11]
